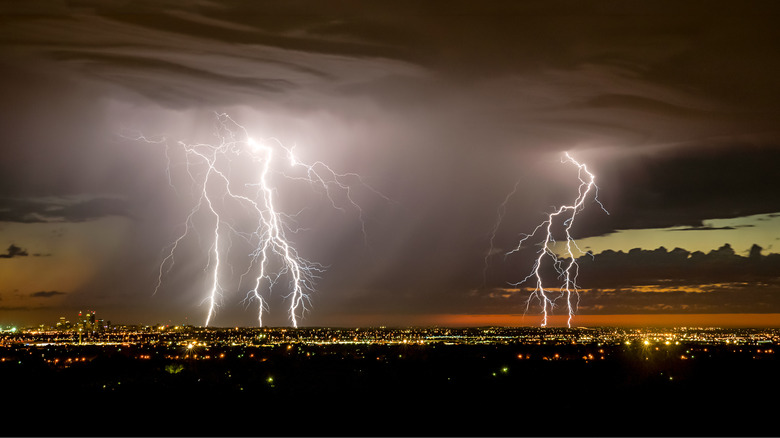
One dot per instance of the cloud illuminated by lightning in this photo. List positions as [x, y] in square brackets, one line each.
[247, 208]
[566, 267]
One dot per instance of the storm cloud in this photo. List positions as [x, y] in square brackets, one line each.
[684, 186]
[441, 106]
[678, 267]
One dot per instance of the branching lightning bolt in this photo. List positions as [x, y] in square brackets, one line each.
[209, 169]
[566, 267]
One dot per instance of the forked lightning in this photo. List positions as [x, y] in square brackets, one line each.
[566, 267]
[212, 172]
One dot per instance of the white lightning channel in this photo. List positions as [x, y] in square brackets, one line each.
[210, 170]
[566, 267]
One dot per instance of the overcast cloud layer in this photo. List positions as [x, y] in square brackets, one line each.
[441, 106]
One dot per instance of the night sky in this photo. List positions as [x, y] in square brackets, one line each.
[442, 107]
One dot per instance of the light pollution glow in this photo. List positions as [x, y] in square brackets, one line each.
[583, 320]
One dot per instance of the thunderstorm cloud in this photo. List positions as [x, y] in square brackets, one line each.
[441, 106]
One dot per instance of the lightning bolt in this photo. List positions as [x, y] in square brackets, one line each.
[217, 183]
[501, 212]
[566, 267]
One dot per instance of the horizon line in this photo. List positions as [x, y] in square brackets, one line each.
[711, 320]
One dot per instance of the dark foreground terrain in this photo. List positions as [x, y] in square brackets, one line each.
[379, 390]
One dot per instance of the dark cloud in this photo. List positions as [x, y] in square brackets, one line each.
[655, 281]
[14, 251]
[718, 281]
[163, 79]
[707, 228]
[52, 209]
[46, 294]
[687, 185]
[613, 269]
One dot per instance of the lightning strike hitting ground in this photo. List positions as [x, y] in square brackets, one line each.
[247, 208]
[566, 267]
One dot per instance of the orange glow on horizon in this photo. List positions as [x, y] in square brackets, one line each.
[639, 320]
[757, 320]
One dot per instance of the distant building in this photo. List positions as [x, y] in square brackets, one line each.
[87, 321]
[63, 324]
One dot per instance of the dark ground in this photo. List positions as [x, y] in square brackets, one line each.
[420, 390]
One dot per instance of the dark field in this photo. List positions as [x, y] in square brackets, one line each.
[363, 390]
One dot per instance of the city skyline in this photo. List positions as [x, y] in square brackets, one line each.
[442, 108]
